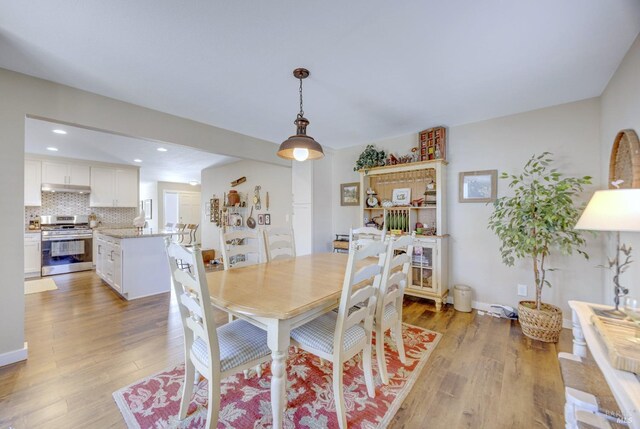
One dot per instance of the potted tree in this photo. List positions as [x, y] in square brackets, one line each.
[540, 216]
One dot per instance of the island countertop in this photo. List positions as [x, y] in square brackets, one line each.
[136, 233]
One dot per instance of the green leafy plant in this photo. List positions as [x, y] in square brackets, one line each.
[539, 217]
[370, 158]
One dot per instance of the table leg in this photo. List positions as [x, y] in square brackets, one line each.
[579, 343]
[278, 340]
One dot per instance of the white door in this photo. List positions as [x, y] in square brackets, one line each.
[55, 173]
[103, 192]
[302, 227]
[189, 207]
[170, 200]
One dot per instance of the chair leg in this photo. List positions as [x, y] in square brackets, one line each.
[338, 395]
[196, 377]
[400, 342]
[213, 408]
[259, 370]
[230, 317]
[367, 367]
[380, 356]
[246, 373]
[187, 388]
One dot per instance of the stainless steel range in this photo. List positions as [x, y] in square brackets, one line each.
[67, 244]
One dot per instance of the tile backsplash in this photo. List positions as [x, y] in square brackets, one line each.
[66, 203]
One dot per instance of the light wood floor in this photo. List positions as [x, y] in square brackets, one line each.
[85, 343]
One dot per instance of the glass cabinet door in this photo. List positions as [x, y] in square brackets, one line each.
[422, 266]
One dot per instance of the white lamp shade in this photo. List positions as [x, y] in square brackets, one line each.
[612, 210]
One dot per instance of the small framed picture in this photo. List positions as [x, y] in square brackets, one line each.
[401, 197]
[267, 219]
[350, 194]
[260, 219]
[478, 186]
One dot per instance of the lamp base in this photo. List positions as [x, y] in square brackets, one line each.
[611, 313]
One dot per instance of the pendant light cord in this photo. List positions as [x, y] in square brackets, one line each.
[301, 114]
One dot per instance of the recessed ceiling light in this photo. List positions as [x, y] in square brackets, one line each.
[60, 131]
[161, 149]
[193, 182]
[52, 149]
[137, 160]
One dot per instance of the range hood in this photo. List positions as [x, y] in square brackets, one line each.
[75, 189]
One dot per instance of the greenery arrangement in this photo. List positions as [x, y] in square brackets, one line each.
[539, 217]
[370, 158]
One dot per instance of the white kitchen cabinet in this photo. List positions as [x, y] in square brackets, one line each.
[114, 187]
[66, 173]
[32, 254]
[32, 183]
[133, 267]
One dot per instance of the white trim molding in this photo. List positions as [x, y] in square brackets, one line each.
[14, 355]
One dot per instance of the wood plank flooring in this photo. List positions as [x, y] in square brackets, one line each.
[85, 342]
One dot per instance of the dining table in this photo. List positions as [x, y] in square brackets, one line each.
[279, 296]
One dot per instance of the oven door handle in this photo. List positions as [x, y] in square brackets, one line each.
[67, 237]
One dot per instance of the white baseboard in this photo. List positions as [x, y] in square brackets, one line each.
[566, 323]
[14, 356]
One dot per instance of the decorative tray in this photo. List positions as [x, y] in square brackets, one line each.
[623, 353]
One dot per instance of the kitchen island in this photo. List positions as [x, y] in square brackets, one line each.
[133, 262]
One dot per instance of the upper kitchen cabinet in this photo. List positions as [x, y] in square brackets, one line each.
[114, 187]
[62, 173]
[32, 183]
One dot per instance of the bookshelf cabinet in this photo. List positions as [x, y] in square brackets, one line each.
[425, 205]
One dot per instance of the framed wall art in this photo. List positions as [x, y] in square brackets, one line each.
[478, 186]
[350, 194]
[401, 197]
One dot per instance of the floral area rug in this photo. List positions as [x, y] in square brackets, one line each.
[154, 402]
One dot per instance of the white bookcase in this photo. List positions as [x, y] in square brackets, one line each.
[426, 180]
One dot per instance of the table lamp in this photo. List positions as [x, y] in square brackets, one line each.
[616, 210]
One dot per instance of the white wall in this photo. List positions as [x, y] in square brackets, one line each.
[272, 178]
[620, 107]
[149, 191]
[570, 131]
[24, 95]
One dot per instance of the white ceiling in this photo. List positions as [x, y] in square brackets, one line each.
[178, 164]
[379, 68]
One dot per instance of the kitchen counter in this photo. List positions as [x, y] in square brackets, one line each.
[135, 233]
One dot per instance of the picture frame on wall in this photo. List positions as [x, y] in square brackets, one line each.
[350, 194]
[401, 197]
[478, 186]
[147, 206]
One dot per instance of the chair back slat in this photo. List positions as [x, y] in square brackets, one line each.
[359, 237]
[192, 304]
[371, 274]
[240, 248]
[279, 243]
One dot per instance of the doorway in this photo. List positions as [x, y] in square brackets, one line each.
[182, 207]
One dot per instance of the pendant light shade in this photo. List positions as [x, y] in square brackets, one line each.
[300, 146]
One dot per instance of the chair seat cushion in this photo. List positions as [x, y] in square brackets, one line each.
[318, 334]
[240, 342]
[390, 312]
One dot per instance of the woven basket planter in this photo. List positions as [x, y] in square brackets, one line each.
[542, 325]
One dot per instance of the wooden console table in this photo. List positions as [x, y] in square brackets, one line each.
[624, 385]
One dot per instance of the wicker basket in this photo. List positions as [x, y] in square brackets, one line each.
[544, 324]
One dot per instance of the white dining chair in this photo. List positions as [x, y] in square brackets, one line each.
[240, 248]
[367, 234]
[213, 353]
[389, 302]
[337, 337]
[279, 243]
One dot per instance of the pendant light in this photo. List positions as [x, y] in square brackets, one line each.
[300, 146]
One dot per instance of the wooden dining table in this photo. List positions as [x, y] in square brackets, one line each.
[279, 296]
